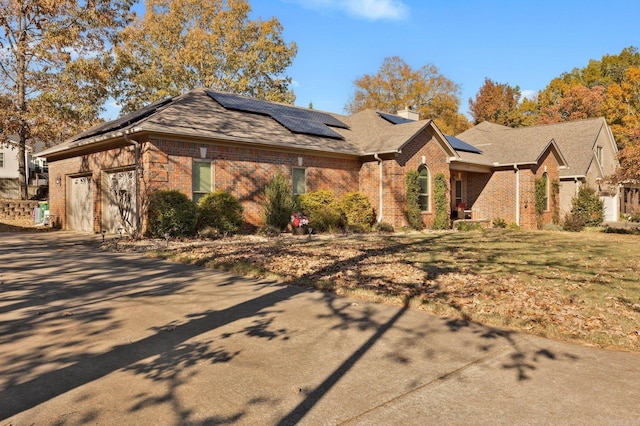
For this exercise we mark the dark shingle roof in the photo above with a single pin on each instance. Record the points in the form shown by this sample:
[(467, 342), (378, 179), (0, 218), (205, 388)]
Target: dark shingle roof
[(504, 145), (197, 114)]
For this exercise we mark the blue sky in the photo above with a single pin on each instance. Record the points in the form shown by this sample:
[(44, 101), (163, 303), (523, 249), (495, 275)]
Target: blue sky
[(520, 42)]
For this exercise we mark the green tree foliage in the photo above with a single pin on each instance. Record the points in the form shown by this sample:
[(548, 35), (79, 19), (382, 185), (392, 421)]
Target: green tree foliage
[(441, 220), (357, 209), (278, 204), (497, 103), (588, 206), (220, 212), (183, 44), (52, 78), (414, 217), (172, 213), (397, 85), (322, 208)]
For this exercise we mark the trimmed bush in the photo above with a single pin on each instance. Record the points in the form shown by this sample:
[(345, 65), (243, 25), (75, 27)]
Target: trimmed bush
[(357, 210), (414, 217), (221, 212), (278, 202), (468, 226), (322, 209), (171, 212)]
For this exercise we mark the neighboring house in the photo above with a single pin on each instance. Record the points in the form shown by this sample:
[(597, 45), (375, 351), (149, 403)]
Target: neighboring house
[(205, 140), (9, 186), (587, 145)]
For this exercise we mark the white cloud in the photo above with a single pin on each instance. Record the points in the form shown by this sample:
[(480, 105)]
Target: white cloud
[(529, 94), (373, 10)]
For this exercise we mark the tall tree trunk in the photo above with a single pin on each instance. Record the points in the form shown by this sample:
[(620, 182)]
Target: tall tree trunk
[(23, 168)]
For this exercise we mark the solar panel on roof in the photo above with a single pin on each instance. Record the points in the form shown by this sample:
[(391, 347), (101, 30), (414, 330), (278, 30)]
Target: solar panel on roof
[(125, 120), (298, 125), (394, 119), (297, 120), (460, 145)]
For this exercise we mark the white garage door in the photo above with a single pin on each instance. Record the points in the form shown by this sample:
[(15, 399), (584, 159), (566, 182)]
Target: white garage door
[(119, 202), (80, 204)]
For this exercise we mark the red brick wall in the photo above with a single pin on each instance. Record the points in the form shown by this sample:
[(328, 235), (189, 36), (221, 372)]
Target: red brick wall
[(493, 195), (394, 178), (244, 172)]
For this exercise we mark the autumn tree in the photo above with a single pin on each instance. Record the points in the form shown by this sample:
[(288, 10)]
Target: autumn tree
[(576, 103), (397, 86), (497, 103), (183, 44), (52, 80), (603, 88)]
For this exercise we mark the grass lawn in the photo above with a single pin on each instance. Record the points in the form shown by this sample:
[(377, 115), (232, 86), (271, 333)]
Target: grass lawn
[(582, 287)]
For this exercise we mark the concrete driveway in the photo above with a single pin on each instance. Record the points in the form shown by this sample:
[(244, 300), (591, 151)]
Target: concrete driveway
[(89, 337)]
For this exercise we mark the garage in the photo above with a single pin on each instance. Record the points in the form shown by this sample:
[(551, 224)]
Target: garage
[(80, 204), (119, 202)]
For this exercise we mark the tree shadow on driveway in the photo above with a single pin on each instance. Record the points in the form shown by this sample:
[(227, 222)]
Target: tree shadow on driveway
[(86, 286)]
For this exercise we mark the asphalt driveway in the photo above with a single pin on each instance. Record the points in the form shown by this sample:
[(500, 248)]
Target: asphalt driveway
[(106, 338)]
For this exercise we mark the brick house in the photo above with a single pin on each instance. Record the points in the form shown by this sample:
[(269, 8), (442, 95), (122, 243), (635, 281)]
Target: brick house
[(205, 140), (587, 145)]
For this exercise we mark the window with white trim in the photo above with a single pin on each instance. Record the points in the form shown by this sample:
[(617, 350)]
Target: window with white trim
[(202, 179), (425, 188)]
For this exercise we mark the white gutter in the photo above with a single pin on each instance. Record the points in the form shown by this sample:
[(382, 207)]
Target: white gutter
[(515, 167), (380, 204)]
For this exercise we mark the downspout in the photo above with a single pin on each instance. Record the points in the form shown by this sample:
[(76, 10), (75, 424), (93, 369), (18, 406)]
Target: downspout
[(381, 204), (136, 159), (515, 167)]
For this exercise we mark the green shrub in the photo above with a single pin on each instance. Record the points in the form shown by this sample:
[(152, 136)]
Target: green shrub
[(220, 211), (441, 220), (384, 227), (555, 192), (588, 205), (574, 222), (357, 228), (171, 212), (278, 204), (468, 226), (322, 209), (541, 200), (357, 209), (499, 222), (414, 216)]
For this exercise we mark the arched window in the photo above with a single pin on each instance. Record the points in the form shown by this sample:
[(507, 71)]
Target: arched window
[(425, 188), (545, 180)]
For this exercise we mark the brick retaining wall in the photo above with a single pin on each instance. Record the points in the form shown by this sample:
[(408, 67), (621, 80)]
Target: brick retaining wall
[(16, 209)]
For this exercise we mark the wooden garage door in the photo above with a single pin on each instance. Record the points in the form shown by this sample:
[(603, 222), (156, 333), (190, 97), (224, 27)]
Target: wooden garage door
[(119, 202), (80, 204)]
